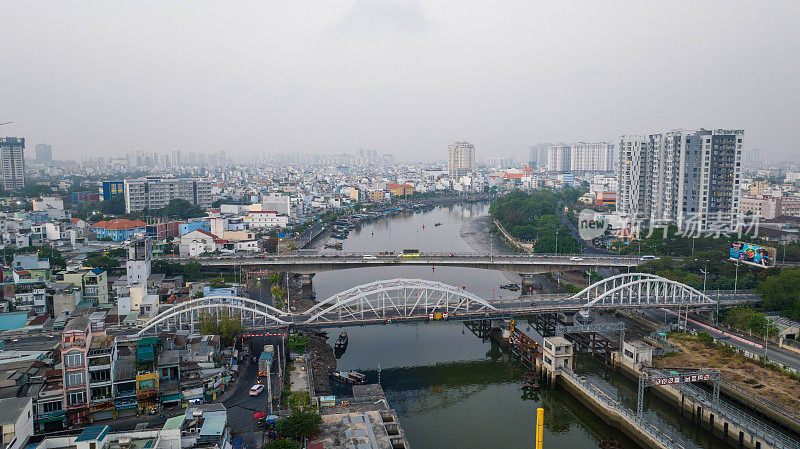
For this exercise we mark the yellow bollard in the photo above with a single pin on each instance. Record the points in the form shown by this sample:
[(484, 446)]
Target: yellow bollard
[(539, 427)]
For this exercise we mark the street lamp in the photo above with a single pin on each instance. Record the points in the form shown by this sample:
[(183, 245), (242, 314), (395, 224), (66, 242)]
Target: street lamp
[(766, 337), (556, 241), (736, 277)]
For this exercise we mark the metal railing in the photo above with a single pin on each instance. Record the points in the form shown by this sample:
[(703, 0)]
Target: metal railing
[(762, 400), (756, 427), (656, 430)]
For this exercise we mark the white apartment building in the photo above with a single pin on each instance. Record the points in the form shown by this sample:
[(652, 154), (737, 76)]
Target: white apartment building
[(769, 207), (559, 157), (259, 219), (156, 192), (581, 157), (691, 178), (460, 159)]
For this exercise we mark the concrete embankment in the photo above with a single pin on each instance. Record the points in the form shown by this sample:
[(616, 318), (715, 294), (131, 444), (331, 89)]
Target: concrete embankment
[(615, 415), (735, 427)]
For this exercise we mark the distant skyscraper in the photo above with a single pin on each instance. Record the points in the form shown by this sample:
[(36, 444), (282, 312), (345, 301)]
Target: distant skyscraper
[(537, 156), (559, 157), (687, 177), (44, 153), (12, 163), (460, 159)]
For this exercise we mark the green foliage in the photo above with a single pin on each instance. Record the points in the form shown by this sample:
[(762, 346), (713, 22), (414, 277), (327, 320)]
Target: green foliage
[(226, 325), (704, 337), (781, 292), (534, 217), (300, 424), (746, 318), (283, 443), (190, 270), (218, 282), (101, 261), (297, 343), (57, 261), (278, 296), (299, 401), (89, 211), (179, 209)]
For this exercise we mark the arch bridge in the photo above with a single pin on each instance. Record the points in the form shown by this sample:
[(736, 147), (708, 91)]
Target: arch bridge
[(404, 300)]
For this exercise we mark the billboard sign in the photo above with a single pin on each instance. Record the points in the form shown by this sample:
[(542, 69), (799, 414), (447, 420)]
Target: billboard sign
[(671, 380), (751, 254)]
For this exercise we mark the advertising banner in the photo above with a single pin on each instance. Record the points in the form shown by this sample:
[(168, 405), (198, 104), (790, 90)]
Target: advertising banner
[(751, 254)]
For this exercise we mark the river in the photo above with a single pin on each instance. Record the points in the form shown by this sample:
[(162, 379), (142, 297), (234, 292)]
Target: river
[(450, 388)]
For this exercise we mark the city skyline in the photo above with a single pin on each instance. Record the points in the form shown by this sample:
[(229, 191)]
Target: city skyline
[(388, 82)]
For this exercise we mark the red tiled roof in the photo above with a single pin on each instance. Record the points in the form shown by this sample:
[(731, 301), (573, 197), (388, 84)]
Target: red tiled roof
[(119, 223), (204, 232), (39, 320)]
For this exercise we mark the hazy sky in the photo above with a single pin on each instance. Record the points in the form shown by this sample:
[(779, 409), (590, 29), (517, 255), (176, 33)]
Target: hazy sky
[(404, 76)]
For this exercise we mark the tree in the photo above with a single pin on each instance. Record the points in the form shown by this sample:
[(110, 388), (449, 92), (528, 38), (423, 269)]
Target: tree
[(57, 261), (180, 209), (781, 292), (300, 424), (297, 343), (226, 325), (101, 261), (283, 443)]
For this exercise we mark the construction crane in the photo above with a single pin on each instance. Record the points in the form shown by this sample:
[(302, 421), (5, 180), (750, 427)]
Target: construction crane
[(5, 123)]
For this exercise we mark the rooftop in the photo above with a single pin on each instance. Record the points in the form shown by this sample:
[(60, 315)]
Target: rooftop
[(11, 408), (93, 433), (119, 224)]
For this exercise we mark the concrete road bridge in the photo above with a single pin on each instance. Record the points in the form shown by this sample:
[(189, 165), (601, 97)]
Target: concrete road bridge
[(309, 264), (409, 300)]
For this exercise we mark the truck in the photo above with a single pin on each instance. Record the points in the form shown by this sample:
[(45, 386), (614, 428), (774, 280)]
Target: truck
[(265, 361)]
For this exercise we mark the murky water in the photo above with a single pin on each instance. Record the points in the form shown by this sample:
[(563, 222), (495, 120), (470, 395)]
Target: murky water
[(450, 388)]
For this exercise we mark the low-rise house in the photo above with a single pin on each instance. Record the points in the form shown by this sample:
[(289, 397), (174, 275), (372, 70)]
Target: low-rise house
[(16, 419), (119, 229)]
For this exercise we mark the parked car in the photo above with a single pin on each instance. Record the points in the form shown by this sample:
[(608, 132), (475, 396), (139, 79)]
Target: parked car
[(256, 389), (576, 259)]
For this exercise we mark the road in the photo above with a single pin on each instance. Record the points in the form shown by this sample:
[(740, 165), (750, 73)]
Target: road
[(774, 353), (316, 263), (241, 406)]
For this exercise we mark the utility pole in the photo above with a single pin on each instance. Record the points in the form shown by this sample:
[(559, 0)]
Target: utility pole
[(736, 277)]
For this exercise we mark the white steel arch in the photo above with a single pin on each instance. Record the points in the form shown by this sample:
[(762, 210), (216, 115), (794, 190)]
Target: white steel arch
[(396, 298), (186, 314), (640, 289)]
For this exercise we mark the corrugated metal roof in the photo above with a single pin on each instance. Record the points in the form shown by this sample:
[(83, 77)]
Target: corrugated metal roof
[(213, 424), (93, 433), (174, 423), (11, 408)]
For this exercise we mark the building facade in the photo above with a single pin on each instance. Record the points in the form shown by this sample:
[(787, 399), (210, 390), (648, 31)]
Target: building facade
[(691, 178), (75, 342), (769, 207), (112, 189), (460, 159), (156, 192), (581, 157), (12, 163), (44, 153)]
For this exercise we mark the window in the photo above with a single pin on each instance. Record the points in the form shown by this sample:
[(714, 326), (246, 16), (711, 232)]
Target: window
[(76, 398), (48, 407), (74, 359), (76, 379)]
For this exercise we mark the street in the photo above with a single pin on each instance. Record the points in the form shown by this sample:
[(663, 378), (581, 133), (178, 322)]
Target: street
[(241, 406), (774, 353)]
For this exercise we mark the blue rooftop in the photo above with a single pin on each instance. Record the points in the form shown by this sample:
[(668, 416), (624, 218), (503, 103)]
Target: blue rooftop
[(96, 270), (93, 433)]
